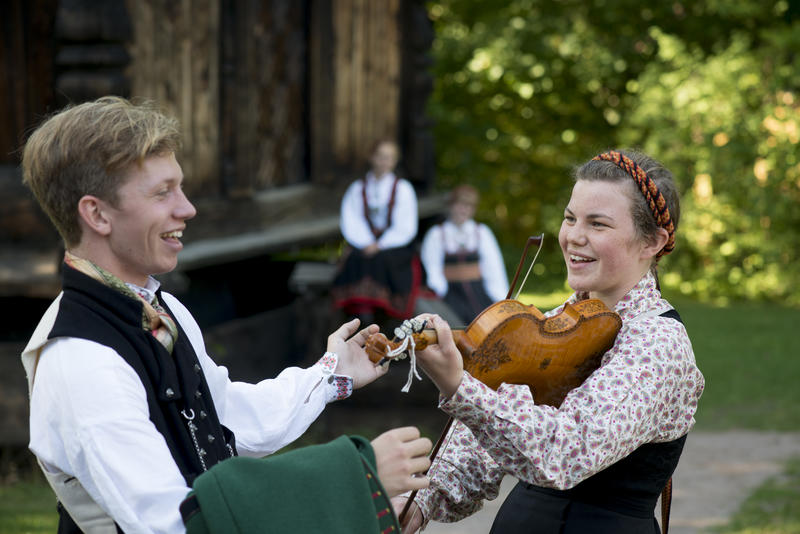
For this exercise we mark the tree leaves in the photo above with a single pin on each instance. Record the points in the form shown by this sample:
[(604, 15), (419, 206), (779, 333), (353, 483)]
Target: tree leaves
[(528, 89)]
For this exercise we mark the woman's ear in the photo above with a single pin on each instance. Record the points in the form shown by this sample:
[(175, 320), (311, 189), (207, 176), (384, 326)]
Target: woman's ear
[(91, 211), (655, 243)]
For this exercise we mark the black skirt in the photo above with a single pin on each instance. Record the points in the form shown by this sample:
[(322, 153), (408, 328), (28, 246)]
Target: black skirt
[(534, 510), (389, 280)]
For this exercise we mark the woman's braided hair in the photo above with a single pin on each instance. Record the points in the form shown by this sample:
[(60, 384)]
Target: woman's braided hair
[(658, 205)]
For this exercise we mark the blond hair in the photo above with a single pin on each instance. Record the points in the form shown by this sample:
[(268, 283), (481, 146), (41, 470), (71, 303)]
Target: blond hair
[(87, 149)]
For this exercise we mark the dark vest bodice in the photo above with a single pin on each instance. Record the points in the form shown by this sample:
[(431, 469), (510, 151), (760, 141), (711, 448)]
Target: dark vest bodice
[(620, 499), (177, 392)]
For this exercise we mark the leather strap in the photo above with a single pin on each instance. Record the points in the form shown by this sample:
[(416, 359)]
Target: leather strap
[(666, 505)]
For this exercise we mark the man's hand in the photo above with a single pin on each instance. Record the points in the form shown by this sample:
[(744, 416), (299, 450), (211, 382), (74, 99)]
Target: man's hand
[(402, 457), (353, 360), (442, 361)]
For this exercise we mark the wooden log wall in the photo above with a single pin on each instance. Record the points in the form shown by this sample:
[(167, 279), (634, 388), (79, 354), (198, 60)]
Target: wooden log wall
[(27, 48), (356, 48), (263, 95), (175, 61)]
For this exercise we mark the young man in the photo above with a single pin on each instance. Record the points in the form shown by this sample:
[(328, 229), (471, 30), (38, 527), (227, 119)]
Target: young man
[(127, 408)]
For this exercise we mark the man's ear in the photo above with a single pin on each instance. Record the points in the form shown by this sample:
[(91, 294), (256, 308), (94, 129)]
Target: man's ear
[(92, 212), (656, 243)]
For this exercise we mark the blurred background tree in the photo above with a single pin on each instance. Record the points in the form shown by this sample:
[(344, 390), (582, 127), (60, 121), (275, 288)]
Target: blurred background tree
[(527, 89)]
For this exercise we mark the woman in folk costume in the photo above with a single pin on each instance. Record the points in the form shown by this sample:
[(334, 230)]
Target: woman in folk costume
[(462, 260), (378, 219), (599, 461)]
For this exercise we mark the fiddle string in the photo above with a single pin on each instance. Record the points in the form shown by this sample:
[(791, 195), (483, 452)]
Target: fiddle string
[(519, 289)]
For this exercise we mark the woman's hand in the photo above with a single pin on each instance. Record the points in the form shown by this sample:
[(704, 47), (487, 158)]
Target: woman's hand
[(442, 361), (352, 359), (413, 518), (401, 456)]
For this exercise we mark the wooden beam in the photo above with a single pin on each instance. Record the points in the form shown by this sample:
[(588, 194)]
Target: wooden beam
[(281, 237)]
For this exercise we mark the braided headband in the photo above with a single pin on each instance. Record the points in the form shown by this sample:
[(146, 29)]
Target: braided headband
[(654, 198)]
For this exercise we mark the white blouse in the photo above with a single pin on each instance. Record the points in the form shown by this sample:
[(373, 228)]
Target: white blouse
[(447, 238), (354, 225)]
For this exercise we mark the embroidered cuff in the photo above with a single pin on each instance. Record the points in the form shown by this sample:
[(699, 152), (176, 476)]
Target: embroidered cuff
[(337, 387)]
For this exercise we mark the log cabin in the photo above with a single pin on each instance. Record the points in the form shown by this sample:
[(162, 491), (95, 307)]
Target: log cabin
[(279, 102)]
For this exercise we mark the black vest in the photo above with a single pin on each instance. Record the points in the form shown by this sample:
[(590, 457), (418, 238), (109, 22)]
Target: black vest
[(618, 500), (176, 388)]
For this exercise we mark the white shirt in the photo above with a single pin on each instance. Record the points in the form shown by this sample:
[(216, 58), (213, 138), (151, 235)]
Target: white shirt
[(89, 419), (447, 238), (354, 225)]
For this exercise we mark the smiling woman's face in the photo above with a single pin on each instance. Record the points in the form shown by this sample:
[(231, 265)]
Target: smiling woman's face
[(603, 253)]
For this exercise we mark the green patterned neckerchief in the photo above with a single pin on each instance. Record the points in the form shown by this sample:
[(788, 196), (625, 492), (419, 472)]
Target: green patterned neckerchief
[(155, 319)]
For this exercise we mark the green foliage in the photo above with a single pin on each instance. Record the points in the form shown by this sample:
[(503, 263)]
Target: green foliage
[(527, 89)]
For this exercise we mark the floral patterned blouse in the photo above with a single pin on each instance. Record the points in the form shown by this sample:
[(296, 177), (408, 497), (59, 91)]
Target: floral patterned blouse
[(645, 390)]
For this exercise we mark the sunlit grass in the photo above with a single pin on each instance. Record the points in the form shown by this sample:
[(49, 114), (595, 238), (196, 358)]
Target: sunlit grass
[(773, 509), (27, 508), (746, 353)]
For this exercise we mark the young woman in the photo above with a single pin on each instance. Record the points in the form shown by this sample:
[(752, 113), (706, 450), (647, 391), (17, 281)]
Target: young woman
[(598, 462), (381, 272), (462, 260)]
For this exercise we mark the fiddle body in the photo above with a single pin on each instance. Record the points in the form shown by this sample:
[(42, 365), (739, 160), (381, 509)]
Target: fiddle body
[(510, 342)]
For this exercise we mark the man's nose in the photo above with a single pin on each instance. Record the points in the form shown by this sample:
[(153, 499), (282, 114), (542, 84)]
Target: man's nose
[(185, 209)]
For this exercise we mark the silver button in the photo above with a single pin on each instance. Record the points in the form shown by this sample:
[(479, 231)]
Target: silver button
[(210, 438), (197, 394), (202, 414), (169, 393), (197, 368)]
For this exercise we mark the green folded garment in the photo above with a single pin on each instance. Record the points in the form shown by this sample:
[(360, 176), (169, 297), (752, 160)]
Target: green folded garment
[(328, 488)]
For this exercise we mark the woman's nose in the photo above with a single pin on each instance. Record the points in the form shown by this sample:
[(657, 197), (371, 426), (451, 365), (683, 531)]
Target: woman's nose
[(575, 233)]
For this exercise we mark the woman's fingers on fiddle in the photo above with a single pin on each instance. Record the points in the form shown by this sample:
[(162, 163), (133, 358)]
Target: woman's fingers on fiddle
[(443, 331)]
